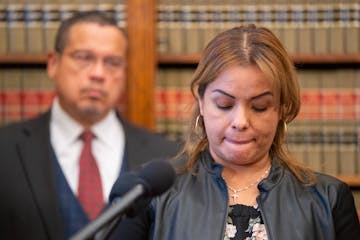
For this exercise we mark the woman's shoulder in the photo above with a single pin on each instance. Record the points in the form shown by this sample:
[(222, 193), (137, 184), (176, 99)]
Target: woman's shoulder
[(324, 183), (331, 186), (327, 180)]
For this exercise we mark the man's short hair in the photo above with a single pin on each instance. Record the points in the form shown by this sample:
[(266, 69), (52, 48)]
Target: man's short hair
[(81, 17)]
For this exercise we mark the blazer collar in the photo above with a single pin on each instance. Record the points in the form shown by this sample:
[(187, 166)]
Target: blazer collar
[(275, 175), (35, 154)]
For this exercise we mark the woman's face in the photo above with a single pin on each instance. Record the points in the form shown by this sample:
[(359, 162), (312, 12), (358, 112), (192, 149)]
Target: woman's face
[(240, 116)]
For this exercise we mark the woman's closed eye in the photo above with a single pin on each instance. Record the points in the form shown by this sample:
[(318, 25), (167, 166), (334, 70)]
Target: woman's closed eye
[(224, 104), (259, 108)]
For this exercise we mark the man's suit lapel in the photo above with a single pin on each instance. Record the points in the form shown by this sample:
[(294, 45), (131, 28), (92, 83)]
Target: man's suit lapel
[(34, 149), (134, 145)]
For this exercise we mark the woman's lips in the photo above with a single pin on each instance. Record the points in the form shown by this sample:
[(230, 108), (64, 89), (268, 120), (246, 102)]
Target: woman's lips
[(238, 141)]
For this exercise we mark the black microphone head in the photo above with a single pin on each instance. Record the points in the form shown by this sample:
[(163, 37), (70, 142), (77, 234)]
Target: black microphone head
[(124, 183), (155, 176), (158, 176)]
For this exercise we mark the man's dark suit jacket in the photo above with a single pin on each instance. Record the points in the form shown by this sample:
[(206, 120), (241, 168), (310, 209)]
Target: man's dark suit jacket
[(29, 206)]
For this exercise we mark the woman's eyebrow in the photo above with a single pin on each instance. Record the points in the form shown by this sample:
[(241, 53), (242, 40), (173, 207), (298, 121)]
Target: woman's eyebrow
[(267, 93), (225, 93), (252, 98)]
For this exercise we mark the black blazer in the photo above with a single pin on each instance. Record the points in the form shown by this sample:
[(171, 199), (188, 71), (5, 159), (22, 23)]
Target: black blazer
[(29, 206)]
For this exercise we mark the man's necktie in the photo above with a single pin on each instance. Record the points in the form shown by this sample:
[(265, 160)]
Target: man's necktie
[(90, 192)]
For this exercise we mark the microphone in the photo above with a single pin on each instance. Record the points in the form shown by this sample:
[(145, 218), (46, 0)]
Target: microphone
[(156, 177), (130, 193), (124, 184)]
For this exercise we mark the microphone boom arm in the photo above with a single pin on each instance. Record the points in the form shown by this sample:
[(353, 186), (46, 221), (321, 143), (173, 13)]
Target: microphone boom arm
[(112, 212)]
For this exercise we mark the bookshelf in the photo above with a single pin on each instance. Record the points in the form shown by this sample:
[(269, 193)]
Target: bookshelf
[(298, 59), (192, 59), (140, 26), (144, 60)]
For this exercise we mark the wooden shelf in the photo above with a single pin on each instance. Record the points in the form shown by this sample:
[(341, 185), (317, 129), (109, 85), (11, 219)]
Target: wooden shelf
[(352, 181), (327, 59), (298, 59), (178, 58), (40, 58)]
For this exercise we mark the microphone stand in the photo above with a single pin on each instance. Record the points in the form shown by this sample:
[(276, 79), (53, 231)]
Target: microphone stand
[(105, 233), (116, 210)]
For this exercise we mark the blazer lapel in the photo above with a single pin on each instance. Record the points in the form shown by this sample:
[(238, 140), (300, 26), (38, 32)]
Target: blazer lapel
[(34, 150), (134, 142)]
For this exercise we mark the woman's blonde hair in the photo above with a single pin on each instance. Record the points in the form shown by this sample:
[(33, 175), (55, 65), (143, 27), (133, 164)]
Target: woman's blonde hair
[(243, 46)]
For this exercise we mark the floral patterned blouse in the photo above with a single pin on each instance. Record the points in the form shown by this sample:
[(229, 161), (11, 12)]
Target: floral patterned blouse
[(244, 223)]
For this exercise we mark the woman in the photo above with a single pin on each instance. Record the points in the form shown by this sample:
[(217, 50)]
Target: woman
[(239, 182)]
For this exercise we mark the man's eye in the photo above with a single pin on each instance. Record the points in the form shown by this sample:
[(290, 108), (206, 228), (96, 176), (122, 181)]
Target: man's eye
[(85, 57), (114, 62)]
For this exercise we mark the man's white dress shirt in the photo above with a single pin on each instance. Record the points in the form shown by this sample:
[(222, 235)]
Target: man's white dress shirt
[(108, 146)]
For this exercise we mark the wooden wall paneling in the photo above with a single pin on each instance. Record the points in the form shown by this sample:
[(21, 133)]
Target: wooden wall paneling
[(142, 61)]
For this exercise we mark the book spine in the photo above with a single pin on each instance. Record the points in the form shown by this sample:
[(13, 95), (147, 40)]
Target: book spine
[(336, 29), (176, 42), (330, 149), (351, 17), (190, 20), (268, 18), (47, 91), (313, 147), (207, 29), (34, 29), (357, 114), (65, 11), (173, 83), (186, 101), (3, 29), (30, 96), (347, 124), (51, 22), (160, 102), (295, 141), (12, 95), (288, 30), (107, 8), (120, 15), (162, 29), (304, 32), (321, 27), (16, 28)]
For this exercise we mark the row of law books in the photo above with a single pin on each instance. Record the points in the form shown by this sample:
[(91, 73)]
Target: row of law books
[(305, 27), (184, 26), (326, 146), (30, 26), (330, 94), (173, 101), (24, 93), (324, 136), (27, 92), (326, 95)]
